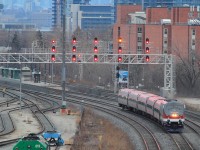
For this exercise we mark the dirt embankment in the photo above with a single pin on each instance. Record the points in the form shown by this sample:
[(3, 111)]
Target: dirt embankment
[(97, 133)]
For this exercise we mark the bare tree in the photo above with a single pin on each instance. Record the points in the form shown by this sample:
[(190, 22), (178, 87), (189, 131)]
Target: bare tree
[(187, 71), (15, 43), (39, 38)]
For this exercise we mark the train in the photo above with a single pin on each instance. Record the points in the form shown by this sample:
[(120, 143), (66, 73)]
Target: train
[(31, 142), (168, 112)]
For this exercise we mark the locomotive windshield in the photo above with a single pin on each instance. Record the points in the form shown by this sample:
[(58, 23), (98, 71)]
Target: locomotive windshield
[(174, 106)]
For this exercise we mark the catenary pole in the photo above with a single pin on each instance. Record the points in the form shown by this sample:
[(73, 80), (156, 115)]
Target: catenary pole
[(63, 53)]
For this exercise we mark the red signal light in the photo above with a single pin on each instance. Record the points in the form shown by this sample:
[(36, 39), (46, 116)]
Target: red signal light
[(147, 49), (95, 58), (95, 49), (147, 40), (53, 57), (119, 59), (74, 40), (95, 40), (53, 49), (147, 58), (120, 50), (53, 41), (74, 49), (73, 58)]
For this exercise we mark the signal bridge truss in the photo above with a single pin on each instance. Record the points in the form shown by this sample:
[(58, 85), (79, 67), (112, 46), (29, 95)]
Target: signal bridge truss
[(82, 58)]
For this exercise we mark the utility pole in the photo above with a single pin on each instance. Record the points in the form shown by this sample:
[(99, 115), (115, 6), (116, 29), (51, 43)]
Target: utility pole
[(129, 51), (63, 53), (20, 87), (52, 74)]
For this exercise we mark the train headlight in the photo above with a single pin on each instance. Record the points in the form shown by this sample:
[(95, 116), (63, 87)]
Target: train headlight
[(174, 115)]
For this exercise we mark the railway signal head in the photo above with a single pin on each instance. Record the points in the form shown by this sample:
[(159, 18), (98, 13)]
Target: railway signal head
[(53, 58), (147, 59), (73, 58), (119, 59), (95, 49), (95, 41), (53, 49), (74, 40), (53, 41), (74, 49), (119, 50), (147, 40), (119, 40), (147, 49), (95, 58)]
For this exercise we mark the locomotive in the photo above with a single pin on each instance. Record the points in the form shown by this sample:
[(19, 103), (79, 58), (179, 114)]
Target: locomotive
[(169, 112), (31, 142)]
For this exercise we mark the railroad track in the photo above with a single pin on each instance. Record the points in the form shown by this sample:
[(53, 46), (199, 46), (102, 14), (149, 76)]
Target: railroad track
[(7, 123), (148, 138), (181, 142), (104, 101), (46, 124)]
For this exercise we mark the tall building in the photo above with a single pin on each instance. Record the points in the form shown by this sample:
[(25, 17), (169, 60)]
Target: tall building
[(171, 31), (28, 6), (57, 8), (57, 11), (92, 16)]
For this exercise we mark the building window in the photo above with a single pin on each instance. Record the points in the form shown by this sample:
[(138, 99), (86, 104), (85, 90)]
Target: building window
[(139, 30), (165, 51), (139, 57), (165, 42), (139, 48), (139, 39), (193, 31), (165, 31), (193, 42), (118, 31)]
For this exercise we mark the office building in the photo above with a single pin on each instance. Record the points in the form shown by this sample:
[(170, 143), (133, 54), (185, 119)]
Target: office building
[(92, 16)]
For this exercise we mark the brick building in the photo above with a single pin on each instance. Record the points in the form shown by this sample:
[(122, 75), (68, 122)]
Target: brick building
[(173, 30)]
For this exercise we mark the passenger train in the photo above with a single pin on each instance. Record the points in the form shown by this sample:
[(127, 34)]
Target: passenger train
[(169, 112)]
